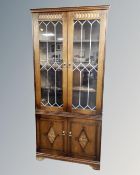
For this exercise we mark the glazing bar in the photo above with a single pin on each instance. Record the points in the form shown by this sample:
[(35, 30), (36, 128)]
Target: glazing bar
[(80, 62), (55, 58), (80, 90), (89, 62), (81, 41), (55, 86), (55, 40), (48, 88), (90, 42)]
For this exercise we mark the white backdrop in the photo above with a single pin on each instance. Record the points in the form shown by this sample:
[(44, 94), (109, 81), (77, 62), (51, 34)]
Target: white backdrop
[(121, 114)]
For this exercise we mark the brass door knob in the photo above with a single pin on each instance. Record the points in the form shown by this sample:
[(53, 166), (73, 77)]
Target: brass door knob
[(63, 133), (64, 64), (69, 64), (70, 134)]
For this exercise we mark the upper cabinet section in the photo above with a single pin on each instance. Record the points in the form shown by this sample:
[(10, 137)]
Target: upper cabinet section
[(69, 58)]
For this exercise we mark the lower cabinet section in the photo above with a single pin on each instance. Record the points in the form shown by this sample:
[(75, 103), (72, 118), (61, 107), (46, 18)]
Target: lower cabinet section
[(69, 138)]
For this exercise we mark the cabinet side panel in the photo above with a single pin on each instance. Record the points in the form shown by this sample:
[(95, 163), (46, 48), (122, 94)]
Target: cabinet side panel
[(36, 60), (37, 134), (98, 138)]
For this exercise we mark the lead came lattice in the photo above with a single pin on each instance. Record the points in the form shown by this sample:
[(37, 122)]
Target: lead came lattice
[(88, 67), (51, 64)]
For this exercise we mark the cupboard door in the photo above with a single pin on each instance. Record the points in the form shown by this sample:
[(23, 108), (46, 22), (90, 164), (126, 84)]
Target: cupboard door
[(51, 135), (84, 138), (85, 59), (50, 53)]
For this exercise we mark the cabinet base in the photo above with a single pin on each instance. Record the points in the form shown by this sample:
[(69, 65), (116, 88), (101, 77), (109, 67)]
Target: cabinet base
[(94, 164)]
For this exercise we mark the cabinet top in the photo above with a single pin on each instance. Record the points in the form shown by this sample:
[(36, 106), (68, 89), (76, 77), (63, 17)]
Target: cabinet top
[(68, 9)]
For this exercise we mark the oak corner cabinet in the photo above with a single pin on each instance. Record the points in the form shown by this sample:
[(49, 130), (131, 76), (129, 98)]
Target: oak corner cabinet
[(69, 51)]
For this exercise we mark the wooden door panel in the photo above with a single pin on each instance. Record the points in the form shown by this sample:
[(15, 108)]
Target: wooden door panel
[(86, 36), (50, 60), (84, 138), (52, 138)]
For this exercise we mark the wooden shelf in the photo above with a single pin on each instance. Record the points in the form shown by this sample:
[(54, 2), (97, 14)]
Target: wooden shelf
[(50, 41), (52, 88), (85, 41), (83, 89), (75, 41)]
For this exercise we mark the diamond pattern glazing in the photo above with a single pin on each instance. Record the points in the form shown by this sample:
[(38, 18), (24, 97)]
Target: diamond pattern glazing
[(85, 63), (51, 41)]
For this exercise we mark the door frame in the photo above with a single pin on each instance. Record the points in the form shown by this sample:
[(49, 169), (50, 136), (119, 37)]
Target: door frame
[(52, 120), (36, 17), (96, 14), (83, 123)]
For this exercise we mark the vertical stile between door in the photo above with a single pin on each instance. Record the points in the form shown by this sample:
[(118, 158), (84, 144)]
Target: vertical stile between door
[(70, 59), (66, 136), (65, 62), (69, 130)]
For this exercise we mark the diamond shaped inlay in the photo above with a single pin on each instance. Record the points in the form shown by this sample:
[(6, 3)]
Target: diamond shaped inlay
[(51, 135), (83, 140)]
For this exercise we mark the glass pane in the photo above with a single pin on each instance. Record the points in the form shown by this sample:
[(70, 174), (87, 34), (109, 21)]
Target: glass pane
[(85, 63), (51, 42)]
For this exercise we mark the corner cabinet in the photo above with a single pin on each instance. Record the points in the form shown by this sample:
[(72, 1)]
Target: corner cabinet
[(69, 49)]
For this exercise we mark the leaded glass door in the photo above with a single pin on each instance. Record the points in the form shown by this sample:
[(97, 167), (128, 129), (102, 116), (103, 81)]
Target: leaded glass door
[(85, 60), (51, 61)]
